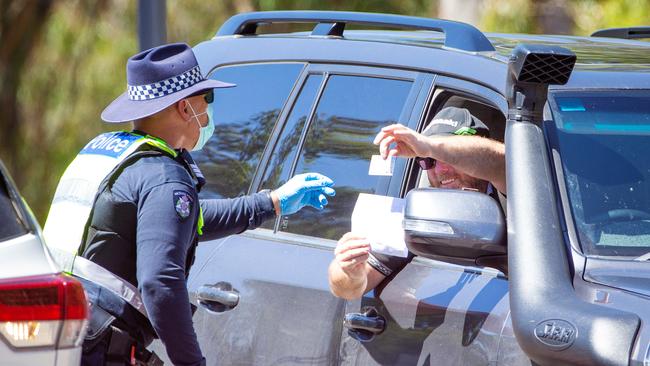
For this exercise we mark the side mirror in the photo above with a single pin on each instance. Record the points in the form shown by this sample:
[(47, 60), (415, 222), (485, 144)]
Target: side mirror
[(456, 226)]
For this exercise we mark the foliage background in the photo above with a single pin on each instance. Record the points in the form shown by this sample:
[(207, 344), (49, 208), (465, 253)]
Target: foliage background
[(62, 62)]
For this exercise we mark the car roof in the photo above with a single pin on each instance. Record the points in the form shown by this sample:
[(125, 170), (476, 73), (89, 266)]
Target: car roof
[(598, 51), (601, 62)]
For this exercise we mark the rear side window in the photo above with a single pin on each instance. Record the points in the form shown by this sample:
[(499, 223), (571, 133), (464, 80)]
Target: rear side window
[(10, 224), (350, 113), (279, 168), (244, 118)]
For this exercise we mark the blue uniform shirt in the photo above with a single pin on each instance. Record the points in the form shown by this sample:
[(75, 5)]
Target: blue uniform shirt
[(167, 205)]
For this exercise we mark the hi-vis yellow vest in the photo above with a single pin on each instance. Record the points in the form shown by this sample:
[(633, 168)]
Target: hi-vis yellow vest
[(75, 194)]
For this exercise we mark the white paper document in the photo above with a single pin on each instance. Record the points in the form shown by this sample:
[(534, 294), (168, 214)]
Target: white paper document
[(379, 166), (379, 218)]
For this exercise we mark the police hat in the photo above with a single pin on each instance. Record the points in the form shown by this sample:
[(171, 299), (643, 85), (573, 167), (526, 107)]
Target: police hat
[(157, 78)]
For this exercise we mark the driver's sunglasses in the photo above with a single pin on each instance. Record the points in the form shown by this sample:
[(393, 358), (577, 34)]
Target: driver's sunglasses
[(209, 96), (426, 163)]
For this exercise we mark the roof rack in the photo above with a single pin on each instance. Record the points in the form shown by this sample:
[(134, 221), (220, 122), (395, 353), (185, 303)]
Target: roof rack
[(458, 35), (625, 33)]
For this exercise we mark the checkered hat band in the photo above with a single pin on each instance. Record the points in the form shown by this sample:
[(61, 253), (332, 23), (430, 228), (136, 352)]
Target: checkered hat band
[(165, 87)]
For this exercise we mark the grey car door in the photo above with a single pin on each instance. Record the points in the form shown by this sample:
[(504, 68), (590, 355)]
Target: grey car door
[(435, 313), (270, 297), (432, 312)]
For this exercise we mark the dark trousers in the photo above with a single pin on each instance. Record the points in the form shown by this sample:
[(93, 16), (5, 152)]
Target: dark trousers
[(96, 354)]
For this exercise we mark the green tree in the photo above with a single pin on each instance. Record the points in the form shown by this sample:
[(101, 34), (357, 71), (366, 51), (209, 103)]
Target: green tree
[(507, 16), (591, 15), (21, 25), (75, 69)]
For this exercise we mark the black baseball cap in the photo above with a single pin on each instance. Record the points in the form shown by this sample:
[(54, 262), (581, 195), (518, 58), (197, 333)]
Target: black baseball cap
[(456, 121)]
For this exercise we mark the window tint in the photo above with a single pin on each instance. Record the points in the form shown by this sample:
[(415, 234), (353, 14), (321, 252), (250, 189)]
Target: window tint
[(244, 117), (10, 224), (339, 144)]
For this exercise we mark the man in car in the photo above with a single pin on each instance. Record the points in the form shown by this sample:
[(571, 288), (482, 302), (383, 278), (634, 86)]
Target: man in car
[(456, 153), (128, 205)]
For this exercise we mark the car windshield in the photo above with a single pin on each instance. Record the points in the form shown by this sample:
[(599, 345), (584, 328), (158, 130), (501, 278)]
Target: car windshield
[(604, 143)]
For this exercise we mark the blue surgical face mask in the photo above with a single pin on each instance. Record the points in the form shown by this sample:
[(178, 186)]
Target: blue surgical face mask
[(204, 132)]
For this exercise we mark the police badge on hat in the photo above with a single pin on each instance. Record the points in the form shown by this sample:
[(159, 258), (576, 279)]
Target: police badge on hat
[(183, 204)]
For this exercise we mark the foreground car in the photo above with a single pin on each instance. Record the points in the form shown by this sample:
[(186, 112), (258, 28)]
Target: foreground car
[(43, 313)]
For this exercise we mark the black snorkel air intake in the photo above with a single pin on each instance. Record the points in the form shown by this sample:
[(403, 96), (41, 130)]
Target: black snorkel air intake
[(531, 69), (552, 325)]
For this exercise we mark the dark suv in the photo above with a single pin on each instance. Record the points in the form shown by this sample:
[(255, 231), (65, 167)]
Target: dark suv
[(568, 282)]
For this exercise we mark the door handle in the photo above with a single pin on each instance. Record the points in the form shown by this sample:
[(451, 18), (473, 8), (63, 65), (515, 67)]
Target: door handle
[(364, 326), (218, 297)]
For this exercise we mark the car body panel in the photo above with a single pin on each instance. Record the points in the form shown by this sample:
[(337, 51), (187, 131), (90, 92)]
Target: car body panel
[(26, 246), (622, 300), (590, 50), (276, 288), (27, 357), (39, 356), (67, 357), (431, 306), (510, 353), (285, 311)]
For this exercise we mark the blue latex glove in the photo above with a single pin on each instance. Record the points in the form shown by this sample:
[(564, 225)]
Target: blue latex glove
[(308, 189)]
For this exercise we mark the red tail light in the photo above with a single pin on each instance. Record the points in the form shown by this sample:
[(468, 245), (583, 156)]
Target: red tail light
[(48, 310)]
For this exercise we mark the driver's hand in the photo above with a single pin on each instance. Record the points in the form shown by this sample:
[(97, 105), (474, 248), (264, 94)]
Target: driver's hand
[(401, 141), (351, 254)]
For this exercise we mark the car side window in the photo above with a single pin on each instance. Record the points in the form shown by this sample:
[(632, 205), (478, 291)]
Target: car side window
[(11, 224), (244, 118), (350, 113), (279, 168)]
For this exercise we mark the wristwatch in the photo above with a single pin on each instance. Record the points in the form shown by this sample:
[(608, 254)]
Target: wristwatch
[(268, 194)]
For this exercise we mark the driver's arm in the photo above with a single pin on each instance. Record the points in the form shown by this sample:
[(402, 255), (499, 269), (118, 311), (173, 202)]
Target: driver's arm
[(348, 287)]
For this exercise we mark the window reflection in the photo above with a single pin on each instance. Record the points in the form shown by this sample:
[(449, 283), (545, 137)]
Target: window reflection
[(244, 118), (350, 113), (279, 168)]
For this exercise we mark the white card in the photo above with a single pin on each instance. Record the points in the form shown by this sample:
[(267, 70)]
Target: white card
[(379, 166), (379, 219)]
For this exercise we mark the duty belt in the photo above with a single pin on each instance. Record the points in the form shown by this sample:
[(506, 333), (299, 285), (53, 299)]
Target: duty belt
[(93, 272)]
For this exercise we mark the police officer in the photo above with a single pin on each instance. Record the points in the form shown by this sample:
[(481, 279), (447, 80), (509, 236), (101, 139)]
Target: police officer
[(128, 207)]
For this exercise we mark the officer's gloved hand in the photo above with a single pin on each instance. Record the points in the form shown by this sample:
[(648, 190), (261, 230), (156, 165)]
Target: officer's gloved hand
[(308, 189)]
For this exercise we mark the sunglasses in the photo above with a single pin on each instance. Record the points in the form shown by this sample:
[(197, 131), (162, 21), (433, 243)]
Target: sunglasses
[(209, 96), (426, 163)]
